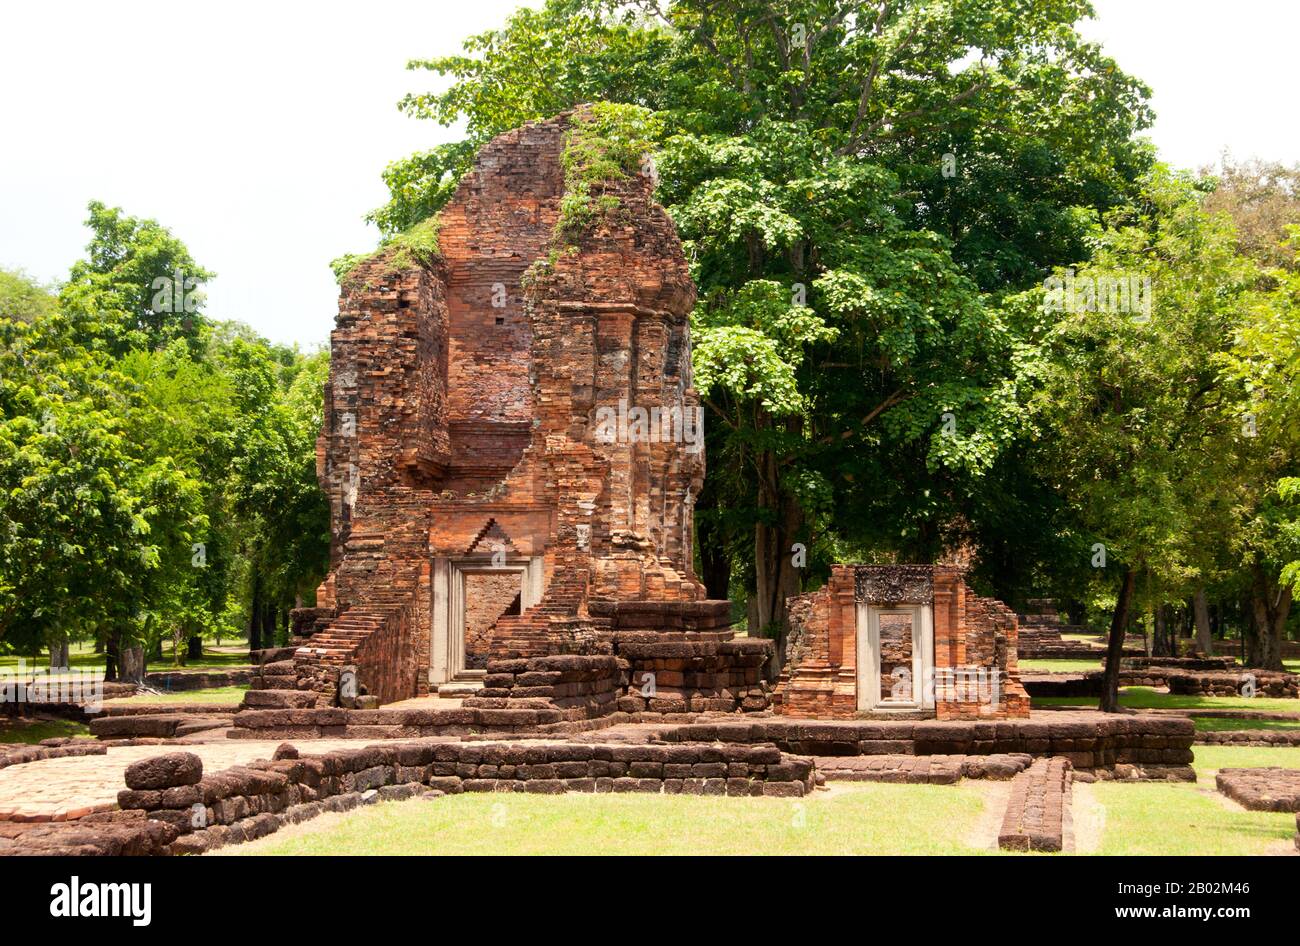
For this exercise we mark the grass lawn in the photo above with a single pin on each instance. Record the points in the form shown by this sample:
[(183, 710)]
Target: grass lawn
[(1210, 758), (1222, 724), (862, 818), (1147, 698), (83, 656), (1186, 819), (230, 695), (18, 729), (1060, 666)]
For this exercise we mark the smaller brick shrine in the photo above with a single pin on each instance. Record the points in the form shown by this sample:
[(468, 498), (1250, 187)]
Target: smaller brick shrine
[(900, 640)]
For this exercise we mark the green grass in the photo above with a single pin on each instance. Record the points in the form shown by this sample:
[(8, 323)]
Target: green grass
[(83, 656), (1185, 819), (865, 818), (31, 731), (1227, 724), (230, 695), (1147, 698), (1060, 666), (1210, 758)]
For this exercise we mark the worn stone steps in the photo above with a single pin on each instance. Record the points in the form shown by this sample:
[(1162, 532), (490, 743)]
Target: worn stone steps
[(279, 699)]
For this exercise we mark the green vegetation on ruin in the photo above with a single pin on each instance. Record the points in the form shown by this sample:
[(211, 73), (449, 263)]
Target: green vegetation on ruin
[(605, 143), (417, 245)]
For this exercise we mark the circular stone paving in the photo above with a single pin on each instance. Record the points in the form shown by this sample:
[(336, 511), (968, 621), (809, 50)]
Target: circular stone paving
[(69, 788)]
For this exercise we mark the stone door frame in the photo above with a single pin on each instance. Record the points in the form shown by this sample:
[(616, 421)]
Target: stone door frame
[(447, 634), (868, 634)]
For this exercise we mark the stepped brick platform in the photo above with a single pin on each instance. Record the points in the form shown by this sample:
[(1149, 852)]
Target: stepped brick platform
[(1103, 746), (1038, 810), (1264, 789)]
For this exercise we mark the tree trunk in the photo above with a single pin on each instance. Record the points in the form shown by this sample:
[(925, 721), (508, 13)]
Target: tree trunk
[(1115, 645), (1201, 612), (59, 653), (195, 647), (1160, 633), (715, 563), (255, 614), (111, 656), (776, 577), (1269, 607)]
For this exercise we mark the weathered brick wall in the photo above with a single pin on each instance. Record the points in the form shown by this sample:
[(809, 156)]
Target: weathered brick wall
[(464, 400), (820, 678)]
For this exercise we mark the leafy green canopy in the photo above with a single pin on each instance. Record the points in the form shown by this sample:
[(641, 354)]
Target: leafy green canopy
[(152, 461), (858, 186)]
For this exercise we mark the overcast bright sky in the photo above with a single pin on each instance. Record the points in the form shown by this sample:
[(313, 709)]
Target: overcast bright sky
[(257, 131)]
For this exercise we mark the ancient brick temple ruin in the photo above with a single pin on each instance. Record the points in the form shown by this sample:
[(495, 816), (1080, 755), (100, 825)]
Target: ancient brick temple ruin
[(901, 639), (511, 447)]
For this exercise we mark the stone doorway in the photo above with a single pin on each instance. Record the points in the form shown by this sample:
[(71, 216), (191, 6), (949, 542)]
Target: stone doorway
[(469, 596), (896, 644)]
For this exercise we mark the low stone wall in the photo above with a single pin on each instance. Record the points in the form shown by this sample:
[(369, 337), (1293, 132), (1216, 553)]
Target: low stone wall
[(1036, 812), (1262, 789), (920, 769), (1120, 746), (245, 802), (160, 723), (104, 834), (1250, 737), (339, 723), (182, 680), (1178, 663), (57, 748), (1270, 683), (1062, 684), (1158, 676)]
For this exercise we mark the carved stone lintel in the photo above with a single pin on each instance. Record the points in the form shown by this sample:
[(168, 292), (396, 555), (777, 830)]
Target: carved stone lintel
[(894, 584)]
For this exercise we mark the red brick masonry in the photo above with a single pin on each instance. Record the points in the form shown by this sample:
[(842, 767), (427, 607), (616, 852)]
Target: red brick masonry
[(971, 635), (463, 421)]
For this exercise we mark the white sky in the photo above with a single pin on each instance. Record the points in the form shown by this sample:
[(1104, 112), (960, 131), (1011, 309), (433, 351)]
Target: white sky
[(257, 131)]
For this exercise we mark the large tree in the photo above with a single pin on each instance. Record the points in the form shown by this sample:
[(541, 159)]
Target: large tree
[(1139, 424), (857, 184)]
